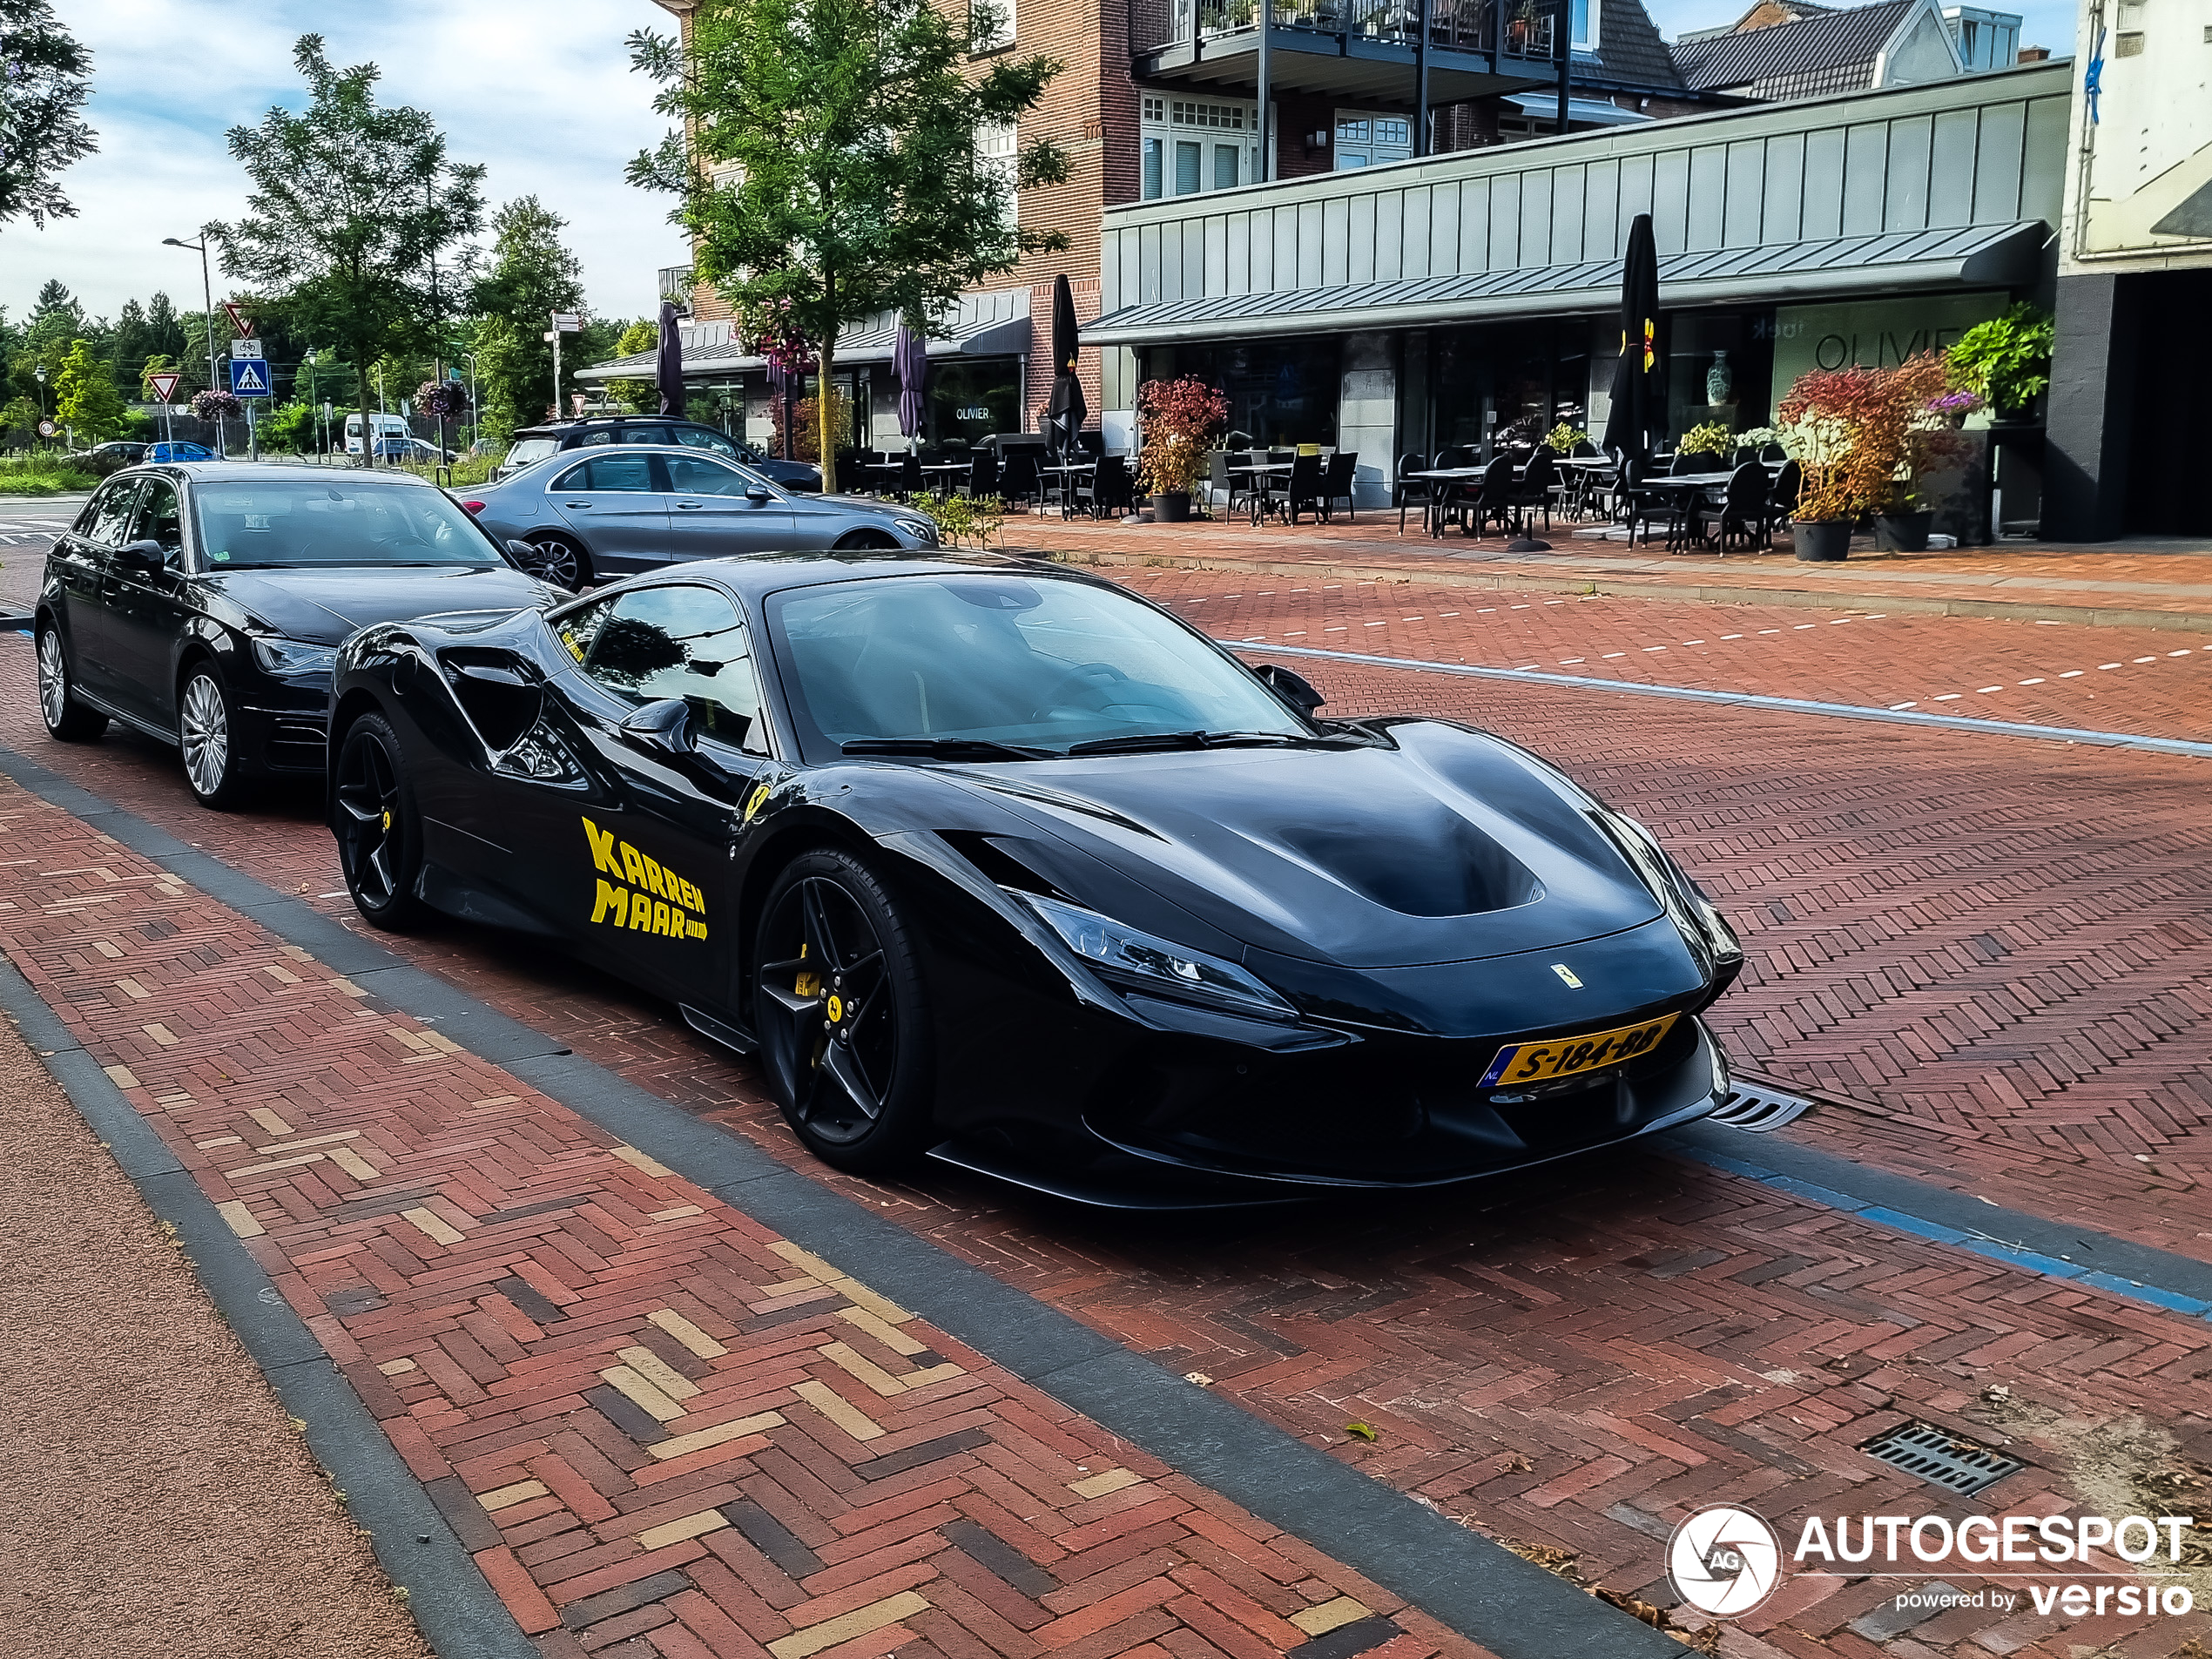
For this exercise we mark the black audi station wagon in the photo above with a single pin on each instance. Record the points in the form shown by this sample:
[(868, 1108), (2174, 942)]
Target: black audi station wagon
[(203, 604)]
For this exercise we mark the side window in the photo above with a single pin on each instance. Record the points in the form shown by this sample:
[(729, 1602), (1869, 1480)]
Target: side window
[(574, 479), (641, 434), (619, 472), (109, 513), (679, 641), (700, 437), (578, 628), (603, 435), (697, 475), (158, 519)]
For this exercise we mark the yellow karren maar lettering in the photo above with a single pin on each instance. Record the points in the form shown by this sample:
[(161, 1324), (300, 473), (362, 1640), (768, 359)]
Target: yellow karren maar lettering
[(644, 896)]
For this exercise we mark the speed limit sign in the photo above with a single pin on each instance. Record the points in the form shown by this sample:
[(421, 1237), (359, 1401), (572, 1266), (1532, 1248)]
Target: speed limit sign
[(47, 429)]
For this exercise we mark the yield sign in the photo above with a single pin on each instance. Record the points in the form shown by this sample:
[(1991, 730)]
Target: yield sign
[(238, 319), (164, 386)]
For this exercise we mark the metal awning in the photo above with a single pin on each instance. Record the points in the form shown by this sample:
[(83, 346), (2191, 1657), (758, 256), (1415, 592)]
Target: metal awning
[(992, 324), (1979, 256), (1590, 111)]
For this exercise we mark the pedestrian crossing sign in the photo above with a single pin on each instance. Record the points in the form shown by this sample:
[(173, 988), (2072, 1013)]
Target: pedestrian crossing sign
[(249, 377)]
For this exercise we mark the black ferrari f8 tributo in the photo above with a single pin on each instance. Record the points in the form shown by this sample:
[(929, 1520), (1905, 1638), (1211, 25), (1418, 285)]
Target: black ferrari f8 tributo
[(1005, 865)]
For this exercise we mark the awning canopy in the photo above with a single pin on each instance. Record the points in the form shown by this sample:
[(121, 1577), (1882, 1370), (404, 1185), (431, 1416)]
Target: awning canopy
[(1589, 111), (994, 324), (1965, 256)]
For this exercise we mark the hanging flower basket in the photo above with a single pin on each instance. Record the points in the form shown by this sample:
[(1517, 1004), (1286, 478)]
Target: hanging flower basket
[(217, 406)]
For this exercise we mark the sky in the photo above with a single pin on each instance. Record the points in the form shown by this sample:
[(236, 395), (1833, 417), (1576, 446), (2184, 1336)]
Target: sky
[(541, 93)]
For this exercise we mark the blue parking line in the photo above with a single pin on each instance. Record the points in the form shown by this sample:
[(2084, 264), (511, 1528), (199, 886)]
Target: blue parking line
[(2010, 1255)]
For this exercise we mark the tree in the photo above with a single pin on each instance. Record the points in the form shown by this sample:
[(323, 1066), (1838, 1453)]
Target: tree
[(834, 159), (85, 400), (639, 397), (164, 332), (351, 202), (530, 274), (45, 79)]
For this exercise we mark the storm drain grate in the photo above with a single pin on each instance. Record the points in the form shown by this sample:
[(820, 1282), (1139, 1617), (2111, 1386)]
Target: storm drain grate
[(1758, 1107), (1941, 1458)]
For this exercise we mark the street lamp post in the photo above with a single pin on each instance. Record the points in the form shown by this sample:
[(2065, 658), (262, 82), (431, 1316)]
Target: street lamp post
[(207, 293)]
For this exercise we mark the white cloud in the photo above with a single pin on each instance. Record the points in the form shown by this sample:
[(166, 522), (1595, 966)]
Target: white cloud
[(542, 94)]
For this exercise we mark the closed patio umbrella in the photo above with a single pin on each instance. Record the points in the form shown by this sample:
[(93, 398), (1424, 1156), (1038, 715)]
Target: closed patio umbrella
[(1639, 408), (668, 362), (910, 359), (1066, 412)]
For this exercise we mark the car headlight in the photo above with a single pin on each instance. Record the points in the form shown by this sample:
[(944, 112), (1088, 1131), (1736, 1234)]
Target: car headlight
[(1684, 901), (295, 659), (1123, 955), (920, 528)]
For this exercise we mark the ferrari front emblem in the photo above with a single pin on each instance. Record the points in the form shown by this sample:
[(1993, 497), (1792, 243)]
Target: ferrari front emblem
[(1568, 975)]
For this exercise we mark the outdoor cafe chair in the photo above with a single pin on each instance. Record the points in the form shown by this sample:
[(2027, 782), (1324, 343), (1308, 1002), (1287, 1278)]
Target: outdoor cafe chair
[(1018, 478), (1695, 461), (1491, 501), (1744, 452), (1642, 503), (1407, 492), (1300, 490), (1337, 483), (1782, 498), (1535, 488), (1744, 507), (983, 474), (1106, 490), (910, 483), (1774, 452), (1221, 483)]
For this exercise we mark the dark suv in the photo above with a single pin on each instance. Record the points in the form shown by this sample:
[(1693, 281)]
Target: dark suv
[(534, 443)]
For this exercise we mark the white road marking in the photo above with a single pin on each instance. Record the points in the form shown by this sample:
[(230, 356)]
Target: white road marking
[(1904, 705)]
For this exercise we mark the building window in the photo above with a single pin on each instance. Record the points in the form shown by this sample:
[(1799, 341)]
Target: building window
[(1191, 145), (1584, 36), (1368, 140), (989, 33), (995, 144)]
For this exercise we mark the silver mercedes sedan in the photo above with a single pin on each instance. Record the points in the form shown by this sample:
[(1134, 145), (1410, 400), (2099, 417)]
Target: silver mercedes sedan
[(593, 515)]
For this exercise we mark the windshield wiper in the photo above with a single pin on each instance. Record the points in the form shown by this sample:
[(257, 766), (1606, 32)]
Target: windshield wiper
[(1139, 742), (946, 749)]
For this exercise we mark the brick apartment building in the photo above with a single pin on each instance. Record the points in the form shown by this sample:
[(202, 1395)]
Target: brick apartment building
[(1159, 99)]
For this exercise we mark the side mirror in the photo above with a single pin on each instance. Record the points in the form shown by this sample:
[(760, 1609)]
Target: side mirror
[(758, 496), (662, 730), (522, 551), (146, 555), (1294, 688)]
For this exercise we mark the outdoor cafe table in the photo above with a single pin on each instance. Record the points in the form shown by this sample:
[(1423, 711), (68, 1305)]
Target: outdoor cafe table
[(1259, 472), (950, 471), (1683, 485), (1069, 471)]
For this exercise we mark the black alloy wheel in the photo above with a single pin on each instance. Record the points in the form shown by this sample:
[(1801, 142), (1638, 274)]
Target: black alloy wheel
[(559, 560), (380, 836), (838, 1002), (67, 719)]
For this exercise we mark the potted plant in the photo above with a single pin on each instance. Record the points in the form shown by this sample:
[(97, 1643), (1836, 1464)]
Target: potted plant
[(1816, 433), (2006, 361), (1180, 418), (1564, 436), (1863, 437), (1707, 438)]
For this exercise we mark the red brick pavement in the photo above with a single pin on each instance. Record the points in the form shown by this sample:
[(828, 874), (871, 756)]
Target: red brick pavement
[(660, 1429), (2106, 679), (1710, 1338), (2172, 579)]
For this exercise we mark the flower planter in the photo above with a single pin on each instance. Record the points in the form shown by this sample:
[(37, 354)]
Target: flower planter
[(1171, 509), (1902, 532), (1826, 542)]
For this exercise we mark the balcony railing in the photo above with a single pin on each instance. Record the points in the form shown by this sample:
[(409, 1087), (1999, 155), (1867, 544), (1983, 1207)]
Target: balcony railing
[(1513, 29), (675, 286)]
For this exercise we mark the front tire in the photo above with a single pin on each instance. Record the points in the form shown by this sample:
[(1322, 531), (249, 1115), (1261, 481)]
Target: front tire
[(207, 736), (380, 832), (67, 719), (843, 1014)]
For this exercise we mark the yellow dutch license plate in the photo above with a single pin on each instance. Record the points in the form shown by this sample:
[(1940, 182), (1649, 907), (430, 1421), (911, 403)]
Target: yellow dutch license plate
[(1535, 1062)]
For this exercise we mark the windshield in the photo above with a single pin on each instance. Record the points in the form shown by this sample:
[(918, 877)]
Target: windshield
[(1035, 664), (296, 522)]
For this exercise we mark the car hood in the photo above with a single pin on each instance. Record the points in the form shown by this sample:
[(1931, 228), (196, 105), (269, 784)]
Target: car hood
[(323, 606), (1448, 846)]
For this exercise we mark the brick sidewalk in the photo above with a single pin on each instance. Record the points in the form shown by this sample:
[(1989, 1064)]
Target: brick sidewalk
[(659, 1428), (1696, 1336), (2127, 585)]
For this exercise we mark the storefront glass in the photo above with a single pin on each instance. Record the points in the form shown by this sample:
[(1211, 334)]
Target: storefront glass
[(1522, 376), (969, 399), (1720, 368), (1282, 391)]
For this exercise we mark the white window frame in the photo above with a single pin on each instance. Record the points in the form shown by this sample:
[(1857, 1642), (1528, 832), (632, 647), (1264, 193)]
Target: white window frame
[(1585, 40), (997, 147), (1165, 120), (1398, 151)]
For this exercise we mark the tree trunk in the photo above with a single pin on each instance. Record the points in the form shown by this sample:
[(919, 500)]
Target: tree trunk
[(824, 412)]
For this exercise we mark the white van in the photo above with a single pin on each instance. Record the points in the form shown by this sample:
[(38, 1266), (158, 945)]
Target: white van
[(386, 426)]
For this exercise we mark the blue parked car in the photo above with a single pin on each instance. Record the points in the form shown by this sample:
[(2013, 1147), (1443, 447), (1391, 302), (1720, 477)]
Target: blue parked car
[(161, 452)]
